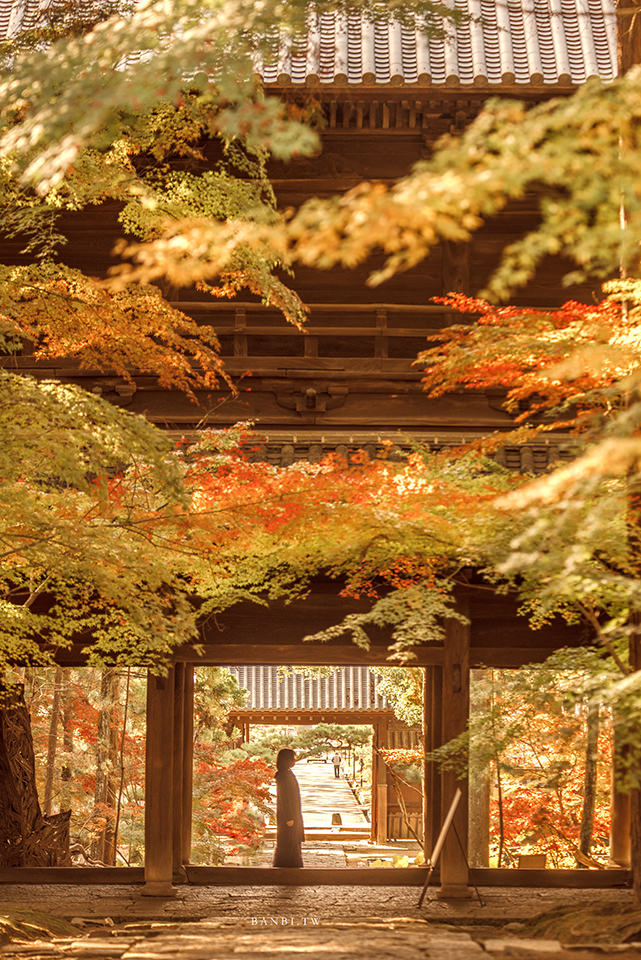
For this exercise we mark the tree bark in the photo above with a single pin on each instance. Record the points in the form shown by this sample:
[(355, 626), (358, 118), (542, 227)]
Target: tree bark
[(103, 847), (589, 780), (52, 741), (27, 838), (66, 771)]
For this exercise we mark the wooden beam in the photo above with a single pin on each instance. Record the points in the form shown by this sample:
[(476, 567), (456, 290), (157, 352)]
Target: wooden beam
[(456, 708), (304, 717), (551, 879), (270, 876), (159, 779), (188, 763), (302, 654)]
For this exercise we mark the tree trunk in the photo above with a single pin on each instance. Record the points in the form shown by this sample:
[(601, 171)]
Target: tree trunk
[(52, 741), (27, 838), (66, 771), (103, 847), (589, 780)]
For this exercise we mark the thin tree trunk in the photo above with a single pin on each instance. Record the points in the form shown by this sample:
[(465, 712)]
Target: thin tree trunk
[(66, 772), (104, 847), (52, 742), (121, 762), (589, 780)]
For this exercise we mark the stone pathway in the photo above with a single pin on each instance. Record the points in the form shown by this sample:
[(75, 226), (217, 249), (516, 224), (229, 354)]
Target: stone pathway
[(282, 936), (322, 795), (274, 923)]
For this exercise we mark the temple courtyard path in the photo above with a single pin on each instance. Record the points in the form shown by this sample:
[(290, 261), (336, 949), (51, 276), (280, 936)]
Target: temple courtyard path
[(323, 795), (270, 923)]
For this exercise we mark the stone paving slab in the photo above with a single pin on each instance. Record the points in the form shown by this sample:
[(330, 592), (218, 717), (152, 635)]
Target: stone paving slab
[(399, 938), (274, 923), (125, 903), (256, 938)]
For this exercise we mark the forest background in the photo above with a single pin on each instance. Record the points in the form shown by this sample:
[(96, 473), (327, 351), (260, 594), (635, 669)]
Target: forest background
[(110, 532)]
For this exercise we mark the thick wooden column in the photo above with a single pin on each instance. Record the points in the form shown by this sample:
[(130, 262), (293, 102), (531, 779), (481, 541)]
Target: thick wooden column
[(178, 750), (456, 706), (188, 762), (433, 739), (159, 780), (620, 841)]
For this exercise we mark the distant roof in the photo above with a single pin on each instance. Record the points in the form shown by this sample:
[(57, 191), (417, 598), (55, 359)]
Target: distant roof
[(347, 688), (504, 42)]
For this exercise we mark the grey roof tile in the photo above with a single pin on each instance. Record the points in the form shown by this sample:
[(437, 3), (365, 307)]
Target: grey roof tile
[(503, 42)]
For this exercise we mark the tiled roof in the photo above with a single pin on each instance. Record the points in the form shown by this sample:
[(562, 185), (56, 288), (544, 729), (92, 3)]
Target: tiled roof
[(502, 42), (347, 688)]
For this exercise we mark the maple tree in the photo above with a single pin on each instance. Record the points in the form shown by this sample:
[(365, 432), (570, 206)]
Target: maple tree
[(231, 786), (566, 540)]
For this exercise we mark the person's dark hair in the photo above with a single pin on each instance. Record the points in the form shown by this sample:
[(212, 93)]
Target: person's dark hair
[(285, 760)]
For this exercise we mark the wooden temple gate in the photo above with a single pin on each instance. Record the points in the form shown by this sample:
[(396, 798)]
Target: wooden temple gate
[(387, 96), (494, 637)]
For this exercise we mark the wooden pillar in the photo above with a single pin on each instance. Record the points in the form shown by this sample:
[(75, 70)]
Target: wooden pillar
[(433, 727), (456, 705), (188, 762), (159, 781), (480, 785), (379, 790), (178, 750), (373, 804), (620, 841)]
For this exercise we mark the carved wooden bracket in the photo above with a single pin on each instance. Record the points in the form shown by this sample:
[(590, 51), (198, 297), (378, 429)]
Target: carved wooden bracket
[(310, 401)]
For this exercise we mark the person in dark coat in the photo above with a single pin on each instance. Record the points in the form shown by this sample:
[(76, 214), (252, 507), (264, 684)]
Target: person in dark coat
[(289, 819)]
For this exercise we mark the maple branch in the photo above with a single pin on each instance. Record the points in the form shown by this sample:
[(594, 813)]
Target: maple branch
[(591, 617)]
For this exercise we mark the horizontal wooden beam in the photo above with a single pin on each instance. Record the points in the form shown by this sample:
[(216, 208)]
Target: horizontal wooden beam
[(297, 715), (312, 876), (301, 654), (228, 306), (79, 875), (571, 879)]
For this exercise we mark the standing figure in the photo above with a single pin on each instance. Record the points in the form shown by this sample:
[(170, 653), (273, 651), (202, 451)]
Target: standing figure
[(337, 764), (289, 819)]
